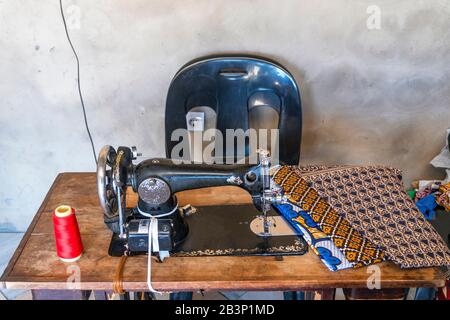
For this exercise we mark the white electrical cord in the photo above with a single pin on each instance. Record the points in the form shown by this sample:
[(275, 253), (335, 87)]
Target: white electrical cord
[(153, 246), (153, 243)]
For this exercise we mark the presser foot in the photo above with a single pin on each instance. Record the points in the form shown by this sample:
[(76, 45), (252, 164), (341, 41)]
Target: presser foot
[(271, 226)]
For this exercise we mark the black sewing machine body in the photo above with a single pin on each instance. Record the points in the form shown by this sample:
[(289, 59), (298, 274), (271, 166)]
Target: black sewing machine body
[(157, 180)]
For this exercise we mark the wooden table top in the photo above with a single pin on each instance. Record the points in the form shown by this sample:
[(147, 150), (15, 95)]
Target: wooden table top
[(35, 264)]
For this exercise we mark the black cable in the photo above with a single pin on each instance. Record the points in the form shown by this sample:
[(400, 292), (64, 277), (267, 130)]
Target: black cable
[(78, 82)]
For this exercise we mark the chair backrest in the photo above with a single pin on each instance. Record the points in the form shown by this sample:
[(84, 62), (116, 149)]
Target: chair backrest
[(236, 92)]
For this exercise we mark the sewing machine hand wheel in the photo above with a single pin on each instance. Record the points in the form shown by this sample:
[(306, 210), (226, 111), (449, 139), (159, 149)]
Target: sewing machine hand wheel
[(105, 185)]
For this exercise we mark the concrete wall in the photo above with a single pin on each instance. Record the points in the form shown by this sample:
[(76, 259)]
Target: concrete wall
[(369, 96)]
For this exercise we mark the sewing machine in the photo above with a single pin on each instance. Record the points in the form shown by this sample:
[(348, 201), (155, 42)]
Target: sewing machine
[(156, 181)]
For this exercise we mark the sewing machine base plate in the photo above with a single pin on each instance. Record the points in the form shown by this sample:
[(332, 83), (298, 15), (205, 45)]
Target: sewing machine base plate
[(225, 230)]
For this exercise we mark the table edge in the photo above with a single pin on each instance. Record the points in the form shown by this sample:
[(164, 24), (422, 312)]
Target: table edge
[(250, 285)]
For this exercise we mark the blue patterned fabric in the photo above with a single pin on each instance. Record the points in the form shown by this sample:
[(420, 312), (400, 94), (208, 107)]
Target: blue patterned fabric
[(319, 242)]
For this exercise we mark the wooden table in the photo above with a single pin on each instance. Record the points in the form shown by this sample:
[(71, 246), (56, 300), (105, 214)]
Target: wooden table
[(35, 265)]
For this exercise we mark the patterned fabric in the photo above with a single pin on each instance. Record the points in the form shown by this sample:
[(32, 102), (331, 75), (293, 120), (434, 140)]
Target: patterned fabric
[(372, 199), (444, 198), (319, 242), (356, 249)]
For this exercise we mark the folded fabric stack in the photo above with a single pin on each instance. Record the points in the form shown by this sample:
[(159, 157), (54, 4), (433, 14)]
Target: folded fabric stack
[(356, 216)]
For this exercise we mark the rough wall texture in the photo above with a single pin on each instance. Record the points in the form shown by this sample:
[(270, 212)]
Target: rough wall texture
[(369, 96)]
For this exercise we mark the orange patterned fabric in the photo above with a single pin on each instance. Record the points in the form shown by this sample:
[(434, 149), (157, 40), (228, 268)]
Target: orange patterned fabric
[(372, 199), (358, 250)]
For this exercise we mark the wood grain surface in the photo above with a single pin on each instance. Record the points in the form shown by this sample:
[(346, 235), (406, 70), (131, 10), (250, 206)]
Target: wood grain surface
[(36, 266)]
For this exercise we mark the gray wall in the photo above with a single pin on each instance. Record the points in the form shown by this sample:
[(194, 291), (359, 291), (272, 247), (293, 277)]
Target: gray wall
[(369, 96)]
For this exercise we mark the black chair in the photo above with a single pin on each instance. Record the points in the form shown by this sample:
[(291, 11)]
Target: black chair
[(236, 92)]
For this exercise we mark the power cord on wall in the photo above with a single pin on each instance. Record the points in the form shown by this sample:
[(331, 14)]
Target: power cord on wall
[(78, 81)]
